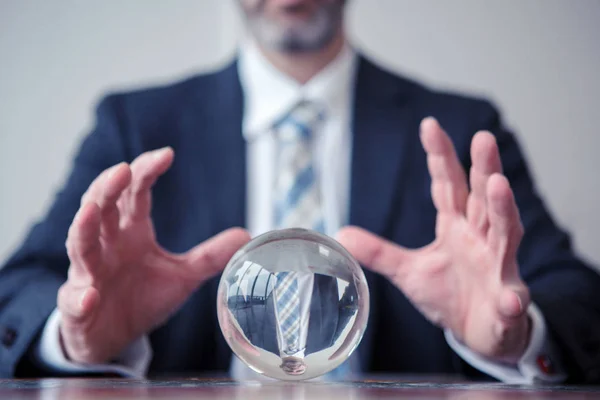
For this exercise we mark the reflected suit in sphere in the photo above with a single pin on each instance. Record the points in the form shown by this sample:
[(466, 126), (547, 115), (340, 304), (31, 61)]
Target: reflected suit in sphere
[(329, 315)]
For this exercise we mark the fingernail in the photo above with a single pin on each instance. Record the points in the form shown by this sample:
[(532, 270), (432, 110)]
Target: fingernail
[(161, 152), (428, 120), (114, 170)]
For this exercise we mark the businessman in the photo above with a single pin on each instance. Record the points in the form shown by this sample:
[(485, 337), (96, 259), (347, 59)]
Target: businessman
[(468, 272)]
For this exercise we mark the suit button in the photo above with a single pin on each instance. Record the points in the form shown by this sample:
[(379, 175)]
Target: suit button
[(8, 337)]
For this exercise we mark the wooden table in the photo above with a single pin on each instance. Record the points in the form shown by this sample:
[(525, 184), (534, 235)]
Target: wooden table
[(198, 389)]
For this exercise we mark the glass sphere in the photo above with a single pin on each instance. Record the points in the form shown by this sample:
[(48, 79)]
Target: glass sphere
[(293, 304)]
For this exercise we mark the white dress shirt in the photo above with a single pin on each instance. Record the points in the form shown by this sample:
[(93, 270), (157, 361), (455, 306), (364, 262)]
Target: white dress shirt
[(268, 95)]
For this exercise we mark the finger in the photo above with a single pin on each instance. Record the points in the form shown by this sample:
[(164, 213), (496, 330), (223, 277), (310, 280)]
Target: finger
[(114, 185), (448, 181), (145, 171), (77, 303), (373, 252), (512, 330), (506, 229), (485, 159), (115, 182), (104, 191), (83, 240), (211, 256), (513, 301), (98, 186)]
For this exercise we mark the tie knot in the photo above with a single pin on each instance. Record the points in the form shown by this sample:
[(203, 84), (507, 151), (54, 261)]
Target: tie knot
[(300, 122)]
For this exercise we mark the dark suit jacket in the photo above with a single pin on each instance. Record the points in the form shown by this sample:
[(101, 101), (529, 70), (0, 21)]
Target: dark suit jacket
[(328, 316), (205, 191)]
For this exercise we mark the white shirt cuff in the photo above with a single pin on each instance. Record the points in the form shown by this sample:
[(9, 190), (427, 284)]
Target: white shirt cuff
[(133, 362), (538, 364)]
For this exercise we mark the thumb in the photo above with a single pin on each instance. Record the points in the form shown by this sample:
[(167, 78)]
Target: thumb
[(513, 301), (212, 255), (372, 251), (77, 303)]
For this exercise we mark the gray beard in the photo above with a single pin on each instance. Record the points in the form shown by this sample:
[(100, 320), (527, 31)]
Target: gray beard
[(314, 35)]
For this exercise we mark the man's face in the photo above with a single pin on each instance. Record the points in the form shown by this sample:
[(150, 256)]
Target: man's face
[(294, 25)]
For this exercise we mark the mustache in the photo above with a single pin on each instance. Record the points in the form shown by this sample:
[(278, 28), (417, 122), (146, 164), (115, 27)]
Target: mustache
[(259, 6)]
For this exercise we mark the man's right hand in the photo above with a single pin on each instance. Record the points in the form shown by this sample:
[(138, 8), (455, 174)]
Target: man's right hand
[(121, 283)]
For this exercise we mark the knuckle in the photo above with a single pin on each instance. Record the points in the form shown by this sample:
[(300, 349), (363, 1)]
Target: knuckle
[(69, 239), (71, 253), (70, 245), (206, 259), (142, 184), (139, 163), (518, 231), (62, 296), (87, 253), (73, 228)]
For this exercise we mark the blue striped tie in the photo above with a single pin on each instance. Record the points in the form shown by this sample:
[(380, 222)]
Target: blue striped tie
[(297, 205), (297, 194), (288, 311)]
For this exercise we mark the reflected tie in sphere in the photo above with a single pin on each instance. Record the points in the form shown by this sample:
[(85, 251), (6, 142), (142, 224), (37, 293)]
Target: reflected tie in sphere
[(288, 310)]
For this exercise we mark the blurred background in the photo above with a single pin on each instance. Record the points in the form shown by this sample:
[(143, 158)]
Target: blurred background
[(538, 60)]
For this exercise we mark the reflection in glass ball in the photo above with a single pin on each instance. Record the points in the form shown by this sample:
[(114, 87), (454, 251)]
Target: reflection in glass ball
[(293, 304)]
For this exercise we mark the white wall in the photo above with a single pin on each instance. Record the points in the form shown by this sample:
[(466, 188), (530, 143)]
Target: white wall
[(538, 59)]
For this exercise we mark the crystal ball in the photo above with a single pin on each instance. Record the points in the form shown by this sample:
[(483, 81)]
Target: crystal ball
[(293, 304)]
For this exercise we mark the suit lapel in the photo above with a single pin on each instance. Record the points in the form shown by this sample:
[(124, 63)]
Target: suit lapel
[(224, 150), (384, 129)]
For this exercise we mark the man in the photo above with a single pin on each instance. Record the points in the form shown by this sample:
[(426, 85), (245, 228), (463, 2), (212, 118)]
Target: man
[(477, 281)]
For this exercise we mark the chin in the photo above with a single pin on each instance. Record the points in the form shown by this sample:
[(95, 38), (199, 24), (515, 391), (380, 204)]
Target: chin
[(297, 33)]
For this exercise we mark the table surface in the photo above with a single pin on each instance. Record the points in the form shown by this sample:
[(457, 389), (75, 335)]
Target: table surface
[(203, 388)]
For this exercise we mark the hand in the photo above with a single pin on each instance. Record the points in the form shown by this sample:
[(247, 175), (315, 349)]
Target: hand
[(121, 283), (467, 280)]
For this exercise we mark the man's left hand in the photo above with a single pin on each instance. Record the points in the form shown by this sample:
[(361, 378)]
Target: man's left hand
[(468, 279)]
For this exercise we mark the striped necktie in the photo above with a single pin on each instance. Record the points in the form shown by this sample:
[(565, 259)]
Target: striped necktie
[(297, 205), (297, 193)]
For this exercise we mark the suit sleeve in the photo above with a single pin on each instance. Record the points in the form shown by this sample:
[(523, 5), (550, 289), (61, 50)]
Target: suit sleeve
[(566, 290), (30, 279)]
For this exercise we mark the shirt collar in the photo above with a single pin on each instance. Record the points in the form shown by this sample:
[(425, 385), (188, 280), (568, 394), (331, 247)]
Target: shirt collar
[(269, 93)]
